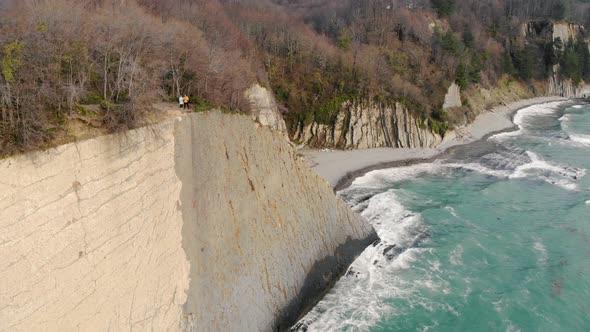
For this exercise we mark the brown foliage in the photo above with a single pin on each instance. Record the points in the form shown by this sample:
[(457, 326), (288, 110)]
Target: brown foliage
[(113, 53)]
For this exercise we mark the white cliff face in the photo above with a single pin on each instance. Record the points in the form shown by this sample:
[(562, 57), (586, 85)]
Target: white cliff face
[(264, 108), (567, 88), (362, 127), (91, 236), (554, 30), (565, 31), (453, 97), (206, 223)]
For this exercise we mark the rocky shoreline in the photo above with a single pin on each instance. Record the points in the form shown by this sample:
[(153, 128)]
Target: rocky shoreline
[(340, 167)]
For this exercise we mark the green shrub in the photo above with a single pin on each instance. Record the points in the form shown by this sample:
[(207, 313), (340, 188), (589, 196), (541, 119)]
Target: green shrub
[(92, 99), (439, 122)]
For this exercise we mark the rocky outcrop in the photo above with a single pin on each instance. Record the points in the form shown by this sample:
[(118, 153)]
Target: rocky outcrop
[(567, 88), (264, 108), (205, 223), (551, 30), (565, 31), (361, 126), (453, 97)]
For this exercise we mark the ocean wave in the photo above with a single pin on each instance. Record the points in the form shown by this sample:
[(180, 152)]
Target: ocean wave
[(579, 138), (479, 168), (358, 300), (522, 116), (515, 165), (535, 110), (561, 176), (383, 178), (573, 136)]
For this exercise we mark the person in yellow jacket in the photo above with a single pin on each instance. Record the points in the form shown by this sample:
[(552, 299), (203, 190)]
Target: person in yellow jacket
[(186, 100)]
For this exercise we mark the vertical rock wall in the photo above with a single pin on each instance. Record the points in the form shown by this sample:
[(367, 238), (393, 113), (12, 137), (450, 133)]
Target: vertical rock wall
[(206, 223), (90, 236), (453, 97), (264, 108), (361, 126), (264, 234), (567, 88)]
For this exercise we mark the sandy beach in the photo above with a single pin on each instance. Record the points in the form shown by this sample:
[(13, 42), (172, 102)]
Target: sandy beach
[(339, 167)]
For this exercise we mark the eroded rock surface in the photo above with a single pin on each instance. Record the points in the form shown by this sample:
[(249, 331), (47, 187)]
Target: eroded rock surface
[(453, 97), (264, 108), (567, 88), (361, 126), (206, 223)]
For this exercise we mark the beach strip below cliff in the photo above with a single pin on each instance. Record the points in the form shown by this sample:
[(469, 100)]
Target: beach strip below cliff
[(341, 167)]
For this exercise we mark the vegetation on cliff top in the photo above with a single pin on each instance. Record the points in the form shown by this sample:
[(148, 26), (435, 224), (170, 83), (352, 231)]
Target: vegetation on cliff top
[(107, 61)]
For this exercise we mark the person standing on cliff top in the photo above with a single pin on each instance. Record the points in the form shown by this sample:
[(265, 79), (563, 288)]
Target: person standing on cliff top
[(186, 100), (181, 101)]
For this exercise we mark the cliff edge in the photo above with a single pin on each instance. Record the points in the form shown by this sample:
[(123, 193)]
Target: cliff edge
[(207, 222)]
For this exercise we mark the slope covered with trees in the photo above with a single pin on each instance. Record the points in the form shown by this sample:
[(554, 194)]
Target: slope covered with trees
[(59, 56)]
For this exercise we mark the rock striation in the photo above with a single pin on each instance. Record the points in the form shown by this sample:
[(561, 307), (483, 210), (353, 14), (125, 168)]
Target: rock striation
[(209, 222), (566, 30), (361, 126), (549, 30), (567, 88)]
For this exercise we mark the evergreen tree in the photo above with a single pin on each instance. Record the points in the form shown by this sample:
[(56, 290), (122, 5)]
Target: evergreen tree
[(507, 64), (468, 38), (444, 8), (461, 77)]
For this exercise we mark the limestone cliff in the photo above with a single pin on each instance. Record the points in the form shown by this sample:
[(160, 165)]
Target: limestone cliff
[(264, 108), (205, 223), (545, 29), (453, 97), (565, 31), (567, 88), (361, 126)]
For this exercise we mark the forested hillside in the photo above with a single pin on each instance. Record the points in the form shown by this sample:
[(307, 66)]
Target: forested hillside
[(105, 62)]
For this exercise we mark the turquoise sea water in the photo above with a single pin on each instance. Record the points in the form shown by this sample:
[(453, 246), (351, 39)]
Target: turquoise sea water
[(494, 238)]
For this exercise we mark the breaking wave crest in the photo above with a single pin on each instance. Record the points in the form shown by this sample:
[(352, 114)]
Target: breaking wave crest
[(358, 299), (574, 136), (562, 176), (523, 116)]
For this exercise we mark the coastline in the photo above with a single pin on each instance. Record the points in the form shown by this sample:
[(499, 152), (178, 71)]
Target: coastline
[(340, 167)]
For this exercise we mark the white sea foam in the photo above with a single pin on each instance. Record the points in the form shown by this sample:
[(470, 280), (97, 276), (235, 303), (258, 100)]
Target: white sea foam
[(357, 301), (381, 178), (521, 117), (573, 136), (542, 256), (579, 138), (578, 106), (510, 327), (543, 109), (456, 256), (562, 176), (452, 211), (480, 169), (554, 174)]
